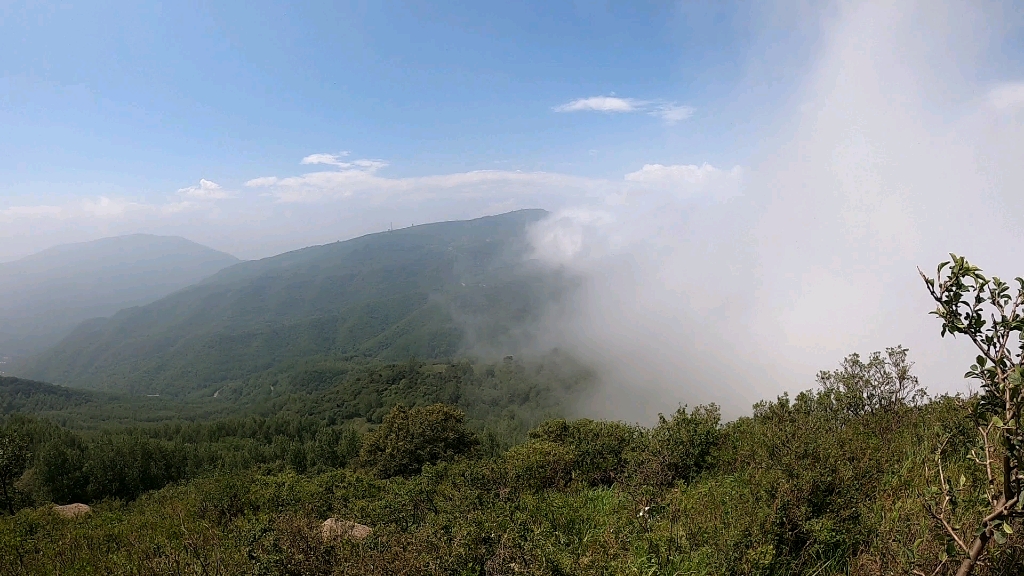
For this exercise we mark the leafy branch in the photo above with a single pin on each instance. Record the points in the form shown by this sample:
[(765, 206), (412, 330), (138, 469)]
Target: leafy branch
[(992, 317)]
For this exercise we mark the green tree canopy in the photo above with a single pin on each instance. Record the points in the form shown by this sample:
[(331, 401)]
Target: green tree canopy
[(408, 439)]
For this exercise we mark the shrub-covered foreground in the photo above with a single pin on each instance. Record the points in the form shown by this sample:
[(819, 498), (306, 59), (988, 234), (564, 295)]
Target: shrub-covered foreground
[(831, 482)]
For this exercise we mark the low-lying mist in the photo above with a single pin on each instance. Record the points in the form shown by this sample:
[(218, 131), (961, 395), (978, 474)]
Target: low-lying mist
[(903, 143)]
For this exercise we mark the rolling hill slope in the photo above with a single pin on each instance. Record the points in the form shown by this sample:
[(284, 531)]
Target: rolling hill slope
[(428, 291), (17, 395), (45, 295)]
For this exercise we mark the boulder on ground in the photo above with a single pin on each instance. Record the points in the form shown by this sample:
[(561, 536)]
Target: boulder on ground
[(334, 528), (72, 510)]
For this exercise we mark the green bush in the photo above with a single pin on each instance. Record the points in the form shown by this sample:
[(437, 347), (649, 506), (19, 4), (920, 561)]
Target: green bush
[(678, 448), (538, 465), (600, 448), (408, 439)]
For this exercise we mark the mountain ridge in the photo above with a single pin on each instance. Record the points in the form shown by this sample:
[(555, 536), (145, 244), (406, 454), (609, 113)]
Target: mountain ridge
[(388, 295), (43, 296)]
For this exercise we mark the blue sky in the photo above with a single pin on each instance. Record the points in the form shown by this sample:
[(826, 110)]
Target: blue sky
[(112, 113), (140, 94), (133, 101)]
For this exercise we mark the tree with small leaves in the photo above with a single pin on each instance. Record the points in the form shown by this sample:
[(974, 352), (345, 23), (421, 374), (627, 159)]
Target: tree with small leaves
[(991, 315), (883, 384), (14, 457), (410, 438)]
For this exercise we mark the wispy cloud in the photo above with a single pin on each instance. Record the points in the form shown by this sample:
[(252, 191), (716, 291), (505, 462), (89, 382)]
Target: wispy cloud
[(361, 182), (366, 184), (689, 180), (95, 208), (325, 205), (41, 211), (1007, 96), (206, 190), (601, 104), (670, 112), (262, 181), (679, 173), (332, 160), (106, 207)]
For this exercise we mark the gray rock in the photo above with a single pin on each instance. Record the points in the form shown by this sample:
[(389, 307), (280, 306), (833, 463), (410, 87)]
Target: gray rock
[(72, 510), (334, 528)]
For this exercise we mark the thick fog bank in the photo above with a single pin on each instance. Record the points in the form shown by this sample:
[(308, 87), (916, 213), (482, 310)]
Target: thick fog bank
[(729, 285)]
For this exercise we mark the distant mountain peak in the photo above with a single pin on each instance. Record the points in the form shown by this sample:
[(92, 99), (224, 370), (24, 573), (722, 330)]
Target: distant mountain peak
[(45, 295), (137, 241)]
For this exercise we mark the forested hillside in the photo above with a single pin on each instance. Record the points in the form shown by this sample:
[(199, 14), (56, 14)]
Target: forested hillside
[(45, 295), (153, 441), (26, 396), (428, 292), (839, 480)]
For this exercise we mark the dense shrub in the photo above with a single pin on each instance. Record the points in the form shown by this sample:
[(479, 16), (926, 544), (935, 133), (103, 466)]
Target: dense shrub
[(600, 449), (408, 439), (678, 448), (538, 465)]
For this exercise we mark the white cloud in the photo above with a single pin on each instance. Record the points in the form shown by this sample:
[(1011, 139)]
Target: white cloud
[(41, 211), (86, 209), (849, 192), (334, 160), (689, 180), (648, 264), (206, 190), (262, 181), (330, 159), (601, 104), (177, 207), (1007, 96), (369, 164), (679, 173), (359, 179), (290, 212), (319, 186), (105, 207), (670, 112), (673, 113)]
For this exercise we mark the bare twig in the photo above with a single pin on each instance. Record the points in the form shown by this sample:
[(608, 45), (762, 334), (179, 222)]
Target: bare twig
[(988, 462), (949, 529)]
